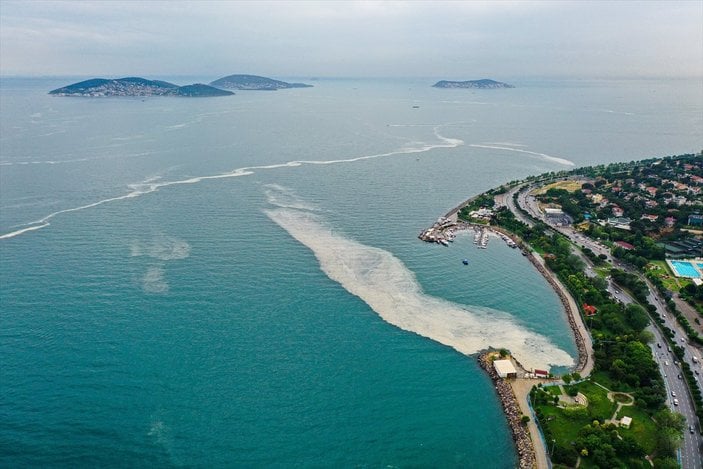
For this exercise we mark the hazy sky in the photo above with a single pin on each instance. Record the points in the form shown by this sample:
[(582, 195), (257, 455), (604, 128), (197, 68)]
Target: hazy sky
[(334, 38)]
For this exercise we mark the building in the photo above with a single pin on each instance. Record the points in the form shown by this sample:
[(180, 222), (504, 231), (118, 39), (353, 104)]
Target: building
[(695, 219), (625, 422), (625, 245), (505, 368), (589, 310), (622, 223), (541, 374)]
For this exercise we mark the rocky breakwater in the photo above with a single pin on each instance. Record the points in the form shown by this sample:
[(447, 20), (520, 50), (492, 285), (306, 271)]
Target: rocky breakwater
[(571, 313), (521, 437)]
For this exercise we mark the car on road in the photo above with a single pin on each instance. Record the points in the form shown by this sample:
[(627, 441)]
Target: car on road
[(690, 429), (676, 402), (659, 345), (673, 394)]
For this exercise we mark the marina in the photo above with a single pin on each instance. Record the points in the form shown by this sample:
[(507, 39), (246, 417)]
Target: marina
[(444, 231)]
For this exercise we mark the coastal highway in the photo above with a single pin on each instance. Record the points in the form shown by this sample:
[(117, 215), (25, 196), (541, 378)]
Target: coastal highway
[(691, 450), (692, 447)]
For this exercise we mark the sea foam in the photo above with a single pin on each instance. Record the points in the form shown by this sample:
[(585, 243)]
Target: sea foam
[(149, 185), (543, 156), (391, 290)]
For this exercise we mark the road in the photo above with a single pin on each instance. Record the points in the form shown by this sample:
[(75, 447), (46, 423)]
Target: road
[(691, 450)]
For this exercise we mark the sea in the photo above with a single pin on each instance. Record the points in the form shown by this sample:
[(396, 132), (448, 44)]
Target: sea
[(237, 281)]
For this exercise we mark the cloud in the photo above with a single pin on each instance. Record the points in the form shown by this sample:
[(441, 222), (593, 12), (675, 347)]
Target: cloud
[(458, 39)]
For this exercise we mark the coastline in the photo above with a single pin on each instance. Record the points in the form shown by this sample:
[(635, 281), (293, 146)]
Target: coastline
[(514, 393), (526, 450)]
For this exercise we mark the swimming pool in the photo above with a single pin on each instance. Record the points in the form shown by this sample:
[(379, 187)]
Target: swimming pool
[(684, 269)]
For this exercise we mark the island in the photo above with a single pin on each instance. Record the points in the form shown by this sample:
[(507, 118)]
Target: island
[(136, 87), (254, 82), (483, 84)]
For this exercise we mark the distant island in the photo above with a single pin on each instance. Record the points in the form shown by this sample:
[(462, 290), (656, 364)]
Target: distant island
[(254, 82), (135, 86), (480, 84)]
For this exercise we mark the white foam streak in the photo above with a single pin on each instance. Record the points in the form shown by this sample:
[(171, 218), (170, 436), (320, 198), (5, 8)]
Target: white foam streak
[(541, 155), (146, 187), (389, 288), (23, 230)]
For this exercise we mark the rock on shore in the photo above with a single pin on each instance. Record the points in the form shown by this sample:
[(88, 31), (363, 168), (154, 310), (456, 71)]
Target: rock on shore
[(523, 443)]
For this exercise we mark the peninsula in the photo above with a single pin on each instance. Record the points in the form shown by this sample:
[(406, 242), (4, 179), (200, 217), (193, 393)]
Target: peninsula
[(483, 84), (136, 87), (254, 82), (602, 237)]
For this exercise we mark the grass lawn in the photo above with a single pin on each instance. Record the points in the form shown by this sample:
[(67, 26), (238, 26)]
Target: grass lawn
[(598, 403), (565, 430), (643, 429), (553, 390), (602, 378), (662, 270), (570, 186)]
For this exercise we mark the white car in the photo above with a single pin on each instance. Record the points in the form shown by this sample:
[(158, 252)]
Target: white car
[(676, 402), (673, 394)]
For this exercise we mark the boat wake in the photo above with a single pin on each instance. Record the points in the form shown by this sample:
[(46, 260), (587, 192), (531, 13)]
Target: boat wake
[(543, 156), (148, 186), (392, 291)]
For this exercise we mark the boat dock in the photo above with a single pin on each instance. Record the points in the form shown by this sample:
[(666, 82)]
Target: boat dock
[(445, 229)]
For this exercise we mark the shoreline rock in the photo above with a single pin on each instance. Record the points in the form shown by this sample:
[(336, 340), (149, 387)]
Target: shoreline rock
[(521, 437)]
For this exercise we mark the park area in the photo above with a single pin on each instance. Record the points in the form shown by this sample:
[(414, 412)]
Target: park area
[(591, 425)]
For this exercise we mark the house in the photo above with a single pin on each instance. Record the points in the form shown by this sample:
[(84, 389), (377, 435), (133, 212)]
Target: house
[(625, 245), (589, 310), (652, 190), (669, 222), (541, 373), (617, 211), (652, 218)]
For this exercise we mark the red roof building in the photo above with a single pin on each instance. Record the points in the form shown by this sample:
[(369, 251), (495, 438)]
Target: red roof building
[(589, 310), (625, 245)]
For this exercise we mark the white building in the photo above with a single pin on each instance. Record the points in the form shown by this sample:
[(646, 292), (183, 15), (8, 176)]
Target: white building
[(505, 368)]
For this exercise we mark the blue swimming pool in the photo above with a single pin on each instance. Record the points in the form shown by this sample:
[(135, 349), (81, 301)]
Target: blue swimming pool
[(684, 269)]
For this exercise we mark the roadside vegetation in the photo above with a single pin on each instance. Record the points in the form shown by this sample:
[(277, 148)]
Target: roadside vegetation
[(581, 419)]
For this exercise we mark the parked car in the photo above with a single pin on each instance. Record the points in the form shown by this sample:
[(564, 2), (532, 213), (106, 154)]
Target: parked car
[(676, 402)]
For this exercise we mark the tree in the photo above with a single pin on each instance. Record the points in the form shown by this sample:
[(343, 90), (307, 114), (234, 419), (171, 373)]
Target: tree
[(566, 378), (503, 352), (636, 317), (646, 337), (524, 420)]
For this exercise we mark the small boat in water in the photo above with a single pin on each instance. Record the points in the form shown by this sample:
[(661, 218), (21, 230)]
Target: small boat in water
[(465, 262)]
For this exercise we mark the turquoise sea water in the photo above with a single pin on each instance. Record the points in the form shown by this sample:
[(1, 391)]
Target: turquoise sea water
[(237, 281)]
